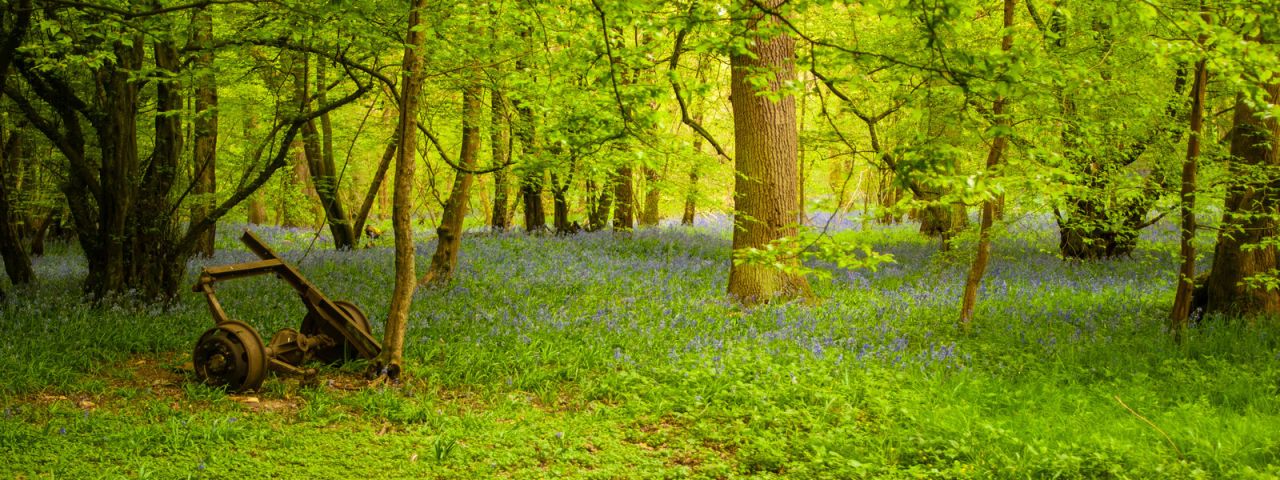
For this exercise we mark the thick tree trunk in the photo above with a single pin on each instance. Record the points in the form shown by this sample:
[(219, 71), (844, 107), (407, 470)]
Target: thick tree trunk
[(624, 202), (449, 233), (499, 143), (392, 356), (560, 205), (766, 193), (600, 207), (979, 266), (1249, 217), (652, 198), (205, 132), (16, 262)]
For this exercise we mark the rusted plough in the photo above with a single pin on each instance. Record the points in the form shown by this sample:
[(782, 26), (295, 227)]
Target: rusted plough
[(233, 355)]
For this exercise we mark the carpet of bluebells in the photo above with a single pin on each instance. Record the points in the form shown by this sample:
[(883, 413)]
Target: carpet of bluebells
[(618, 356)]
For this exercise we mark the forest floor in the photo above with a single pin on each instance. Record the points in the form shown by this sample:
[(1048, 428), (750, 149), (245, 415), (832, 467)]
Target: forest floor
[(617, 356)]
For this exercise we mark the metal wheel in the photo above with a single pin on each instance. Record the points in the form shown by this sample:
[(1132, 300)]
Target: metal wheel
[(231, 355), (342, 350)]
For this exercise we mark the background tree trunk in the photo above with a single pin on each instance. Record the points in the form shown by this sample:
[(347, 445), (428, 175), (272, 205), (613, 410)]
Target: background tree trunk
[(652, 197), (766, 194), (499, 143), (205, 132), (624, 209), (320, 161), (1248, 217), (449, 233)]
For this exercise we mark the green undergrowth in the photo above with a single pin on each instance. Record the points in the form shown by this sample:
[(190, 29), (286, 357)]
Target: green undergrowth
[(603, 356)]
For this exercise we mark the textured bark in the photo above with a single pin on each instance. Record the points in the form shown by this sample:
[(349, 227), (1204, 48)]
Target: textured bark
[(16, 262), (449, 233), (392, 355), (320, 161), (205, 132), (623, 199), (599, 207), (691, 197), (979, 266), (766, 191), (1185, 288), (652, 198), (257, 211), (1248, 217), (375, 186), (499, 143)]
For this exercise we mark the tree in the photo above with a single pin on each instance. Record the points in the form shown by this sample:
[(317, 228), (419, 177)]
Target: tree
[(1183, 292), (766, 194), (205, 131), (392, 357), (1246, 247), (1001, 125), (449, 233)]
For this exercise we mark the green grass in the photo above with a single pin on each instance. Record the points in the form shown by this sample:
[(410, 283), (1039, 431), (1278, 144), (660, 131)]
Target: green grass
[(618, 357)]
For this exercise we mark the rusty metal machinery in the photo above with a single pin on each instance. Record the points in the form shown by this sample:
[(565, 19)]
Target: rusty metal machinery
[(232, 354)]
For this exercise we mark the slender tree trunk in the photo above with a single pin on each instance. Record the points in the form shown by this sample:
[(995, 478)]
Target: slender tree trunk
[(1248, 219), (379, 176), (979, 267), (1185, 289), (392, 356), (766, 193), (499, 143), (449, 233), (205, 126), (691, 198), (601, 208)]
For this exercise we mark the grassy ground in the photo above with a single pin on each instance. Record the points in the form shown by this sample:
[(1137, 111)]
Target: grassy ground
[(606, 356)]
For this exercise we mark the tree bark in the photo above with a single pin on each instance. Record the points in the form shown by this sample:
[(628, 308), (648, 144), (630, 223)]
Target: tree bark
[(449, 234), (379, 176), (499, 143), (392, 356), (1001, 123), (205, 132), (766, 193), (1249, 216), (652, 197), (623, 210), (320, 161), (1185, 288)]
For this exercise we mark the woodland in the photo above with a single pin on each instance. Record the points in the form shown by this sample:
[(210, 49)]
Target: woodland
[(640, 239)]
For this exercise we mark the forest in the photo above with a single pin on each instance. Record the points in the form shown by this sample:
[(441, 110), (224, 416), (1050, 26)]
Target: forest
[(640, 239)]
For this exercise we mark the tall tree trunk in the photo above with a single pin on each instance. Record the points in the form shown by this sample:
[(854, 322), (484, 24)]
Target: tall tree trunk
[(205, 135), (766, 193), (392, 356), (499, 143), (449, 233), (1185, 288), (1248, 219), (624, 209), (560, 204), (1001, 124)]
